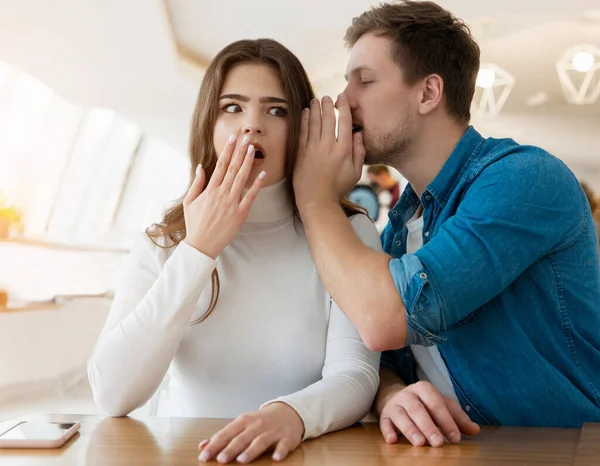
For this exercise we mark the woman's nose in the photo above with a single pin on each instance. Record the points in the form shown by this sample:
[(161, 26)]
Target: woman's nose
[(253, 125)]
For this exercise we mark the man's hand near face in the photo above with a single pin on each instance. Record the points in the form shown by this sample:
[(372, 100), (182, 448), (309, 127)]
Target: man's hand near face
[(327, 166)]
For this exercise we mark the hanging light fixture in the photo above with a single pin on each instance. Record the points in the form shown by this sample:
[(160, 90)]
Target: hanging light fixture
[(492, 88), (579, 74)]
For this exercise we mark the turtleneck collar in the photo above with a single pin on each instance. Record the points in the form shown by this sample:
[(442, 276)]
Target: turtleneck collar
[(271, 208)]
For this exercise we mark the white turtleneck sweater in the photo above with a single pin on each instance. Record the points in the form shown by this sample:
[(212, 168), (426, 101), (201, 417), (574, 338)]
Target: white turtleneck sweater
[(275, 334)]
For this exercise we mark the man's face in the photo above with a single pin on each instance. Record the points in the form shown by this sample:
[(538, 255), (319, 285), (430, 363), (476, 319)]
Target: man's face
[(381, 103)]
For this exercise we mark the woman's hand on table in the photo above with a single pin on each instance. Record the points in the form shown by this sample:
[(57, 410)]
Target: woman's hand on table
[(277, 426)]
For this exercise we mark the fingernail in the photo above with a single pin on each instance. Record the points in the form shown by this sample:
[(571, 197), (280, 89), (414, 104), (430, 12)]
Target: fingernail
[(222, 458), (326, 97), (454, 437), (262, 175), (204, 456), (203, 444), (389, 439), (198, 168), (277, 457), (250, 149), (232, 139), (242, 458), (246, 139), (417, 439), (314, 101), (436, 439)]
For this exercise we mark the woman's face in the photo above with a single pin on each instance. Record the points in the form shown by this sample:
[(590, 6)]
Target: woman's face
[(252, 102)]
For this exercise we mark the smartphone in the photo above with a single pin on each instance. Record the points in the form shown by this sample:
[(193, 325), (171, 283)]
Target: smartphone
[(38, 434)]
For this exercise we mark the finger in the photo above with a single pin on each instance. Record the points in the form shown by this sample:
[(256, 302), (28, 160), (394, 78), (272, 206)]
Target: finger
[(236, 446), (388, 430), (462, 419), (328, 120), (241, 151), (344, 120), (259, 445), (314, 121), (437, 406), (358, 153), (223, 162), (202, 444), (407, 427), (304, 127), (251, 194), (242, 177), (282, 450), (221, 439), (196, 187), (424, 422)]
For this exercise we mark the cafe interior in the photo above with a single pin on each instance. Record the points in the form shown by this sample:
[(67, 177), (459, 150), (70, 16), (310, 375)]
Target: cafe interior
[(96, 100)]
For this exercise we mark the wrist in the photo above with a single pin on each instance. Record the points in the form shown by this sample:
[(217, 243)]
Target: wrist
[(205, 249), (289, 412), (317, 195), (385, 394), (315, 208)]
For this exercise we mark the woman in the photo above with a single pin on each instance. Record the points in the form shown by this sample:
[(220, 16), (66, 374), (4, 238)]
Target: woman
[(224, 294)]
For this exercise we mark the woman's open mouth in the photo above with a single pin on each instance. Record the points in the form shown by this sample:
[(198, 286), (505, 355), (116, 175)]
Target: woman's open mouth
[(259, 152)]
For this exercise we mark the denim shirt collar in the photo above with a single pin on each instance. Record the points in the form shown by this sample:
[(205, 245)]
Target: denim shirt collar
[(456, 168)]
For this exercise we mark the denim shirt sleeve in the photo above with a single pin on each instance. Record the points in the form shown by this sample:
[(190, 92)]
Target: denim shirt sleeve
[(422, 308), (517, 210)]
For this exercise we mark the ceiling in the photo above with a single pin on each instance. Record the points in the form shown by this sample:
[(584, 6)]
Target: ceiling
[(525, 38), (144, 58)]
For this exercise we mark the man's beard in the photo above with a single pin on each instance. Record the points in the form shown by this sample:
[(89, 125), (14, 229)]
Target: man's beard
[(387, 148)]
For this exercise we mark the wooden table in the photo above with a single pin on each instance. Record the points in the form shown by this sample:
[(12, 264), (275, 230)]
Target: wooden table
[(173, 441)]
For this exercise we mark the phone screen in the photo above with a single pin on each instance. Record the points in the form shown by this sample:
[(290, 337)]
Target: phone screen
[(37, 431)]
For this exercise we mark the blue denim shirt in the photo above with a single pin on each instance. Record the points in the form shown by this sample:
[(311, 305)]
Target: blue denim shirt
[(507, 284)]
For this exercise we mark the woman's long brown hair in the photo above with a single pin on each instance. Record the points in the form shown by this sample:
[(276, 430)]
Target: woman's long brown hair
[(298, 93)]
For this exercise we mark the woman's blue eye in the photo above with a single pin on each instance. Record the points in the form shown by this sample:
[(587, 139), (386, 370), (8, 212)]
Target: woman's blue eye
[(278, 111), (232, 108)]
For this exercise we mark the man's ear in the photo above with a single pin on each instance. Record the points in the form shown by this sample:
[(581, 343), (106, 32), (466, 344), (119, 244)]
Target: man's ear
[(432, 92)]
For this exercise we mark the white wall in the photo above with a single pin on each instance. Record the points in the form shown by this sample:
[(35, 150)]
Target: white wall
[(112, 54), (575, 140), (44, 352), (37, 273)]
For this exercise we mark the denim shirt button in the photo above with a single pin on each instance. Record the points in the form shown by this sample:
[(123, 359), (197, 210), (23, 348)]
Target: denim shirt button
[(394, 212), (428, 197), (426, 234), (467, 408), (423, 275), (398, 243)]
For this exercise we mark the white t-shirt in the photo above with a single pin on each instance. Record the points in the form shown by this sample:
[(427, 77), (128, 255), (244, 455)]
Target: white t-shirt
[(430, 365)]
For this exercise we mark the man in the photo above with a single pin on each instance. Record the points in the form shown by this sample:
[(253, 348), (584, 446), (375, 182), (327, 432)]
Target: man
[(488, 297), (380, 175)]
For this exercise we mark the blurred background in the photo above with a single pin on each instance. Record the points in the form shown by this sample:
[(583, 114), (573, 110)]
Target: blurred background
[(95, 103)]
